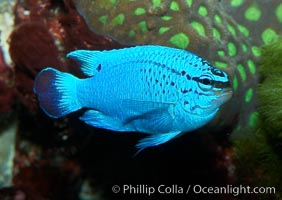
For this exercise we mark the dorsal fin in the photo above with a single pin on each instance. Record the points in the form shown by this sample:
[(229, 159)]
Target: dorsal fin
[(89, 61)]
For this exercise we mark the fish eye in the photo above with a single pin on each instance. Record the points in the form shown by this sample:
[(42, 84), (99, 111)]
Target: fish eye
[(206, 82)]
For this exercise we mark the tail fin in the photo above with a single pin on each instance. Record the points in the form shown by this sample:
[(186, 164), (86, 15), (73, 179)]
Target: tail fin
[(56, 92)]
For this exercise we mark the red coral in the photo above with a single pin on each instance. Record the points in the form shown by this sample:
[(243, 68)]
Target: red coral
[(32, 48), (46, 30), (45, 181), (43, 37)]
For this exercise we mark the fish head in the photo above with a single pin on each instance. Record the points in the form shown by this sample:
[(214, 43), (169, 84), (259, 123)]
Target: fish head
[(210, 90)]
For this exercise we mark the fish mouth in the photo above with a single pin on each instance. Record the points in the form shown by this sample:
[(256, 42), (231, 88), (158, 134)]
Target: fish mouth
[(223, 96)]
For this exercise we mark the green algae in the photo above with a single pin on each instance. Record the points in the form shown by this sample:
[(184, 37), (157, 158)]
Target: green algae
[(166, 18), (189, 2), (216, 33), (249, 95), (118, 20), (251, 66), (257, 148), (253, 13), (256, 51), (232, 50), (162, 30), (143, 26), (221, 65), (199, 28), (278, 12), (236, 3), (139, 11), (218, 19), (203, 11), (156, 3), (256, 161), (180, 40), (232, 30), (268, 35), (235, 83), (243, 30), (244, 48), (242, 72), (174, 6), (221, 53)]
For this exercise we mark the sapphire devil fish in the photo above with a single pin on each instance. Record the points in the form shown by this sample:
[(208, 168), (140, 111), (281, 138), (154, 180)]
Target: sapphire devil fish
[(156, 90)]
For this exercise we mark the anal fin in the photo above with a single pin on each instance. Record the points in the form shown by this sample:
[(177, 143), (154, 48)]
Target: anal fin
[(155, 140)]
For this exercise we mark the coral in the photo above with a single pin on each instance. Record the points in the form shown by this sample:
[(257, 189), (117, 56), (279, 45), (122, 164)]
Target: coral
[(257, 163), (256, 20), (42, 38), (42, 179), (269, 90), (44, 32), (30, 57), (258, 149)]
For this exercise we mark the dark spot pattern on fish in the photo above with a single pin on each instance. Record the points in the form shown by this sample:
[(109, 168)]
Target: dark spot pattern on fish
[(184, 91), (99, 68), (205, 62), (217, 72), (163, 66), (175, 72), (188, 77)]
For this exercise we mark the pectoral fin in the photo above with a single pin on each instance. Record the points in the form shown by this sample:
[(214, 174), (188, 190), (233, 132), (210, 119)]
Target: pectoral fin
[(100, 120), (155, 121)]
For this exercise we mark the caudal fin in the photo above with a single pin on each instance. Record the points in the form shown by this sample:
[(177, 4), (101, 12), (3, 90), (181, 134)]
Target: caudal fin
[(56, 92)]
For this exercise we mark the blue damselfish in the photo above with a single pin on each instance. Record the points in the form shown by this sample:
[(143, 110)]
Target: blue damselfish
[(156, 90)]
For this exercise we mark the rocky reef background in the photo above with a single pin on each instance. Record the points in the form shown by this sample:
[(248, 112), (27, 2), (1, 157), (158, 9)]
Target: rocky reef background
[(43, 158)]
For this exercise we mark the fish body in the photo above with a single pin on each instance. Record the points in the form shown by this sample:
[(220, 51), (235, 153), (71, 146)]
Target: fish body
[(156, 90)]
